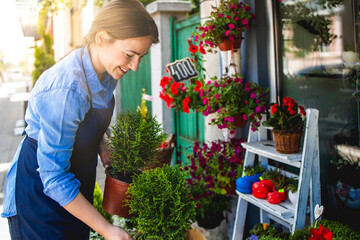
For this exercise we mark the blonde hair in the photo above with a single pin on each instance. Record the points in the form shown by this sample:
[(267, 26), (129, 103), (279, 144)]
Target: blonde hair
[(123, 19)]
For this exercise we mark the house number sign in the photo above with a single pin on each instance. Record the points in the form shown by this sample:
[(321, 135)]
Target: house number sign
[(181, 70)]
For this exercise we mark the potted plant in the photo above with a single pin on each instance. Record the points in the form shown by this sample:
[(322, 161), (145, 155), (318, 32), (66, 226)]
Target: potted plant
[(160, 204), (234, 101), (287, 121), (215, 166), (292, 189), (226, 24), (280, 184), (183, 96), (134, 142)]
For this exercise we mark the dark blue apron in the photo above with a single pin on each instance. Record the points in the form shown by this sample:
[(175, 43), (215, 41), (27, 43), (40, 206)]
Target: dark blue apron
[(40, 217)]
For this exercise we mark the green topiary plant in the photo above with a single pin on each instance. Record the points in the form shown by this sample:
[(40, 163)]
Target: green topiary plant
[(340, 231), (160, 204), (134, 141)]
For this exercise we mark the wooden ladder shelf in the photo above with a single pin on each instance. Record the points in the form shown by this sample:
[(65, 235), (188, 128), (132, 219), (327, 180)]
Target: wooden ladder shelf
[(290, 215)]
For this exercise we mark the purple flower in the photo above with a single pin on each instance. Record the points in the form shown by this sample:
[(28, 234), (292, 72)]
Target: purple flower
[(230, 119), (257, 109), (247, 89), (253, 95), (205, 113), (232, 131), (217, 96), (224, 85), (245, 117)]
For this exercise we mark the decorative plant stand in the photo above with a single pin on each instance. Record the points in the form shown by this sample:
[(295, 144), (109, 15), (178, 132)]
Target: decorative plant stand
[(307, 161)]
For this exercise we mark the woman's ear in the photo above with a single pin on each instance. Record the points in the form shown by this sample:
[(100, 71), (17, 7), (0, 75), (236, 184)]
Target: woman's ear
[(101, 38)]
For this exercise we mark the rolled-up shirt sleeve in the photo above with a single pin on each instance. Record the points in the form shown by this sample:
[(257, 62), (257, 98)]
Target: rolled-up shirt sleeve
[(60, 112)]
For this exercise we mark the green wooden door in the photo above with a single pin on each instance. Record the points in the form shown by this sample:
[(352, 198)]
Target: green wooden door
[(133, 83), (188, 127)]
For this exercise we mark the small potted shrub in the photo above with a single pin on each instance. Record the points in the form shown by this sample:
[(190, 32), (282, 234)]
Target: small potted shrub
[(160, 204), (134, 142)]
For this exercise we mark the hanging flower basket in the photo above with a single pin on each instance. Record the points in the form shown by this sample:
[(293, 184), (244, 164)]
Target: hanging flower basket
[(230, 44), (287, 142)]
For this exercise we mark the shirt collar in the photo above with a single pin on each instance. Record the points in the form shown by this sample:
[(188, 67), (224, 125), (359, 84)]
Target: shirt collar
[(93, 81)]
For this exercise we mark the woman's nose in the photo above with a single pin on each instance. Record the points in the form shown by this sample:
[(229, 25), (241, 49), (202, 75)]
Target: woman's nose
[(134, 64)]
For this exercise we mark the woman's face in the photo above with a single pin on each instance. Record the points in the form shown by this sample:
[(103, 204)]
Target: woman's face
[(123, 55)]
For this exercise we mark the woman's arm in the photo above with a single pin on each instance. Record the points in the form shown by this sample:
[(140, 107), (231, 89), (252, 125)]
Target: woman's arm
[(83, 210)]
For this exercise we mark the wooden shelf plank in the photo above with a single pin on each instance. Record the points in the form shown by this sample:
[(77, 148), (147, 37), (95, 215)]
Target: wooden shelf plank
[(284, 210), (267, 149)]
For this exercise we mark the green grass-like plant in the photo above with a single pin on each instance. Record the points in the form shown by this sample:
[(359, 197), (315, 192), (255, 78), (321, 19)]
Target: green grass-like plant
[(134, 141), (161, 204)]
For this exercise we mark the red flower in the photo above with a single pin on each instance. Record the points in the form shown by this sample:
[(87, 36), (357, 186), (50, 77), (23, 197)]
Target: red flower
[(274, 108), (174, 88), (291, 111), (193, 48), (198, 86), (302, 110), (321, 233), (202, 50), (167, 99), (165, 80)]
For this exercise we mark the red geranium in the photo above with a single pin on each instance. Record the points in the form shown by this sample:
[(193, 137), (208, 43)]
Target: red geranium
[(286, 116), (321, 233)]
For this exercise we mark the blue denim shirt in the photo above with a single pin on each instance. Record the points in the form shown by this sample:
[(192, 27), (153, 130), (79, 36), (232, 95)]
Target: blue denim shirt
[(57, 105)]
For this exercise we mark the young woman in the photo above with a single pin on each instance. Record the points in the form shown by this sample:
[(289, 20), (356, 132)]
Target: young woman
[(49, 188)]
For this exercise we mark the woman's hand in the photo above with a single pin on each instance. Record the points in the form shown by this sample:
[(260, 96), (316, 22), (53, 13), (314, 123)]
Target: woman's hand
[(116, 233), (105, 152)]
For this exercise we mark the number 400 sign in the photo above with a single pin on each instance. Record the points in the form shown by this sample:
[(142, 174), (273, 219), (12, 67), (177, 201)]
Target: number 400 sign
[(181, 70)]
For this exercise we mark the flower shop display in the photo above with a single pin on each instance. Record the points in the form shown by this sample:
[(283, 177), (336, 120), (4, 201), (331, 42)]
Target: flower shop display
[(231, 98), (226, 24), (134, 142), (287, 121), (160, 204)]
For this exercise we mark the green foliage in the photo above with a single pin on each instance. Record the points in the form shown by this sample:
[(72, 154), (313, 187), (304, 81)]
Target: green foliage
[(292, 184), (97, 203), (252, 170), (134, 141), (268, 232), (340, 231), (161, 205), (43, 61), (300, 234)]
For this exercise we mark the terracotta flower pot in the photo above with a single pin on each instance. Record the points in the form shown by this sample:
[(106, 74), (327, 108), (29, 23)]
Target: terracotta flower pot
[(115, 196), (286, 142), (239, 122), (228, 44)]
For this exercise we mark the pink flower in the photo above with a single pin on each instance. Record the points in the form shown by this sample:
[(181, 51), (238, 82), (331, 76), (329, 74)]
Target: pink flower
[(220, 15), (228, 17), (253, 95), (201, 92), (244, 21), (217, 96), (245, 117), (196, 38), (231, 25), (233, 6), (227, 33)]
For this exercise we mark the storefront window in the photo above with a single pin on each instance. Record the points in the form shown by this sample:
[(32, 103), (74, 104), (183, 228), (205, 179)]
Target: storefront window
[(319, 68)]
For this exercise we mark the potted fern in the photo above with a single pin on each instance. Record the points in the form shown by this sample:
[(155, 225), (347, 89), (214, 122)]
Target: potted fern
[(160, 204), (134, 142)]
